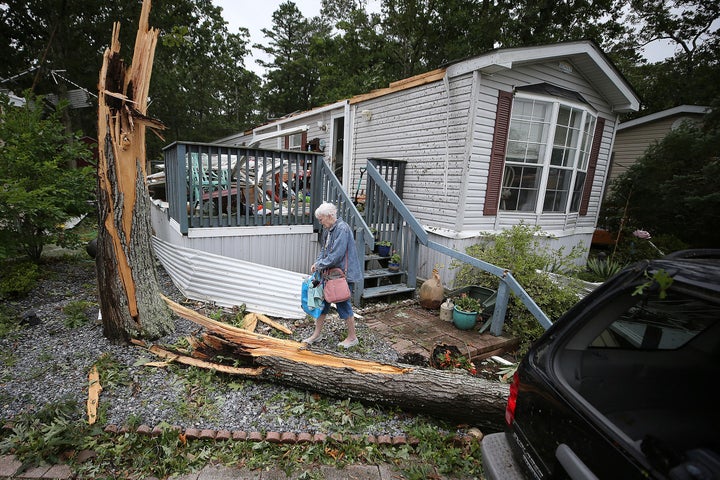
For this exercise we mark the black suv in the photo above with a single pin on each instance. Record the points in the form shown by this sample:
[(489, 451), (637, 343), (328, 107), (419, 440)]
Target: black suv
[(623, 385)]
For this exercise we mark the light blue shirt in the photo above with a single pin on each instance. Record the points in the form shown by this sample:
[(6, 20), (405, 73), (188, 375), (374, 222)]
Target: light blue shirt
[(335, 243)]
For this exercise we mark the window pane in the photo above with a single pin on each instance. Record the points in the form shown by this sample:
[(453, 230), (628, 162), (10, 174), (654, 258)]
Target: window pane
[(520, 188), (295, 142), (587, 137), (567, 137), (529, 163), (528, 132), (556, 192), (578, 191)]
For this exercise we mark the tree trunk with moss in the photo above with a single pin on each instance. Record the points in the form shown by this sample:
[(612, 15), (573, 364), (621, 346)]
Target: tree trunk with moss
[(130, 299)]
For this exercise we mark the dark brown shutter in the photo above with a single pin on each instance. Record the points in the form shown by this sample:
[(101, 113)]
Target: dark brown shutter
[(497, 154), (592, 165), (287, 142), (303, 141)]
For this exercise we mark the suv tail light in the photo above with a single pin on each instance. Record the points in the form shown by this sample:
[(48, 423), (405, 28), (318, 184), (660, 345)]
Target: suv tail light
[(512, 400)]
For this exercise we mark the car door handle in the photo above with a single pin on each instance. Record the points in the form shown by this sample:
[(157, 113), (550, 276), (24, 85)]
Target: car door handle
[(575, 468)]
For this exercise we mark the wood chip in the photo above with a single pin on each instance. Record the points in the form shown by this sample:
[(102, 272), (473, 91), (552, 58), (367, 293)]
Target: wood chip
[(94, 389)]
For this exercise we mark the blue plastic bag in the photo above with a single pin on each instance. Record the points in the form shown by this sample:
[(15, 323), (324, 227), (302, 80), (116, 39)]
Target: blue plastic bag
[(311, 297)]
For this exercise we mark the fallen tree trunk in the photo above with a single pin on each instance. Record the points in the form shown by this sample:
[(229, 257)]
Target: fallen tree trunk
[(450, 394)]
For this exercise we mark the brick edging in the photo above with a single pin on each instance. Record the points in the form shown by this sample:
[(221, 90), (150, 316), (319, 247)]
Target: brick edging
[(288, 438)]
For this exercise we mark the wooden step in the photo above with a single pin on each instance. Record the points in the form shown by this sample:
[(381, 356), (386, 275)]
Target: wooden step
[(386, 290), (380, 273)]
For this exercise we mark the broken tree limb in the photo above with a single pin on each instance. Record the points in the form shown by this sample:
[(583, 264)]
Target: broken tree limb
[(250, 321), (171, 357), (451, 394), (94, 389)]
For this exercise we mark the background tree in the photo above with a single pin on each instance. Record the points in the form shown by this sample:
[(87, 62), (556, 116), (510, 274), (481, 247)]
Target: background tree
[(39, 193), (202, 90), (351, 60), (292, 77), (542, 22), (688, 77), (674, 189)]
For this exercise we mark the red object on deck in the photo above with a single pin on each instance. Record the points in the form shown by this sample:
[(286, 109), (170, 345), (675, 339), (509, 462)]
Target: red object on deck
[(602, 237)]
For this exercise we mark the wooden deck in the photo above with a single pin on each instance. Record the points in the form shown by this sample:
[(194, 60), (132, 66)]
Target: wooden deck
[(414, 330)]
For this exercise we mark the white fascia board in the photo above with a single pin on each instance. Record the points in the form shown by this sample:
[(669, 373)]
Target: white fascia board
[(682, 109), (276, 124), (507, 58), (278, 133)]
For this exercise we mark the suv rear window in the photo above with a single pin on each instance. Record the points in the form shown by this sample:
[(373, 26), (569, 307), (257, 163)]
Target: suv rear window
[(652, 323)]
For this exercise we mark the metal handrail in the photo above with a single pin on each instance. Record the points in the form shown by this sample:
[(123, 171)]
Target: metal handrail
[(417, 234)]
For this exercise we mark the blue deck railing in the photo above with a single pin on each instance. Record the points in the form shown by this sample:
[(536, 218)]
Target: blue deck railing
[(210, 185)]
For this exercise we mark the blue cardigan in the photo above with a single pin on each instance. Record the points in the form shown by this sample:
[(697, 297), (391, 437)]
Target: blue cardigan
[(335, 242)]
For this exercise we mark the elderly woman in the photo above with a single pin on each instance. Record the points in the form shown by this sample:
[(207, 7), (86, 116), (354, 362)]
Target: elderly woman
[(337, 251)]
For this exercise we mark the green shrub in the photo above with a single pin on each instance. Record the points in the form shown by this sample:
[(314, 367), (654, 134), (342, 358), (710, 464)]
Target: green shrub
[(40, 193), (602, 269), (76, 313), (18, 278), (520, 250), (45, 435)]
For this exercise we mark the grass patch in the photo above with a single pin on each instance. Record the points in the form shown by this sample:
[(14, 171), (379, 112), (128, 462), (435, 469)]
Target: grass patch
[(76, 313)]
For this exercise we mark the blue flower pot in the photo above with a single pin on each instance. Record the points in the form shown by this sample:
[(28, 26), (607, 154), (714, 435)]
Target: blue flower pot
[(464, 320), (383, 250)]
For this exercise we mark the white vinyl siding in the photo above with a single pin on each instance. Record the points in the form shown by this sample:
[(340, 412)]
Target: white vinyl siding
[(420, 126), (476, 182)]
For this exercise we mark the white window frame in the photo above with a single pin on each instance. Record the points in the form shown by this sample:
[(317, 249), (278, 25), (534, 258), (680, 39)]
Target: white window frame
[(295, 141), (577, 165)]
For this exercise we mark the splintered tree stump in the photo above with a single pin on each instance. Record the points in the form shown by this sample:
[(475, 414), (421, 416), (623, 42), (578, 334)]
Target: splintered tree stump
[(129, 291)]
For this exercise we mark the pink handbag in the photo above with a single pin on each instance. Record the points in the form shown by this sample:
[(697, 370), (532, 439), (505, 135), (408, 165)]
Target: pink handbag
[(335, 287)]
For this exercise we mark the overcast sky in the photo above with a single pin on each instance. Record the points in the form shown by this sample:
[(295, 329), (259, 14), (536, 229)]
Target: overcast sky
[(257, 14)]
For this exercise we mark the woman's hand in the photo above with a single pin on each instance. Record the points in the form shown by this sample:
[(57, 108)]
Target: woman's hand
[(312, 269)]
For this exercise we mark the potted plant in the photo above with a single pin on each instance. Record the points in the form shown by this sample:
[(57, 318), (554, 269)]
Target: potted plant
[(466, 311), (394, 262), (384, 248)]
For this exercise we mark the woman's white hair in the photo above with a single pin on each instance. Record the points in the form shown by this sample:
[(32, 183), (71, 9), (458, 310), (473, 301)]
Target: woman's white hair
[(326, 209)]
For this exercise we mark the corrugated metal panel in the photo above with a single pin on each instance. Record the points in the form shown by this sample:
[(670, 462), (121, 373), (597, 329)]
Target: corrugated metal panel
[(228, 282)]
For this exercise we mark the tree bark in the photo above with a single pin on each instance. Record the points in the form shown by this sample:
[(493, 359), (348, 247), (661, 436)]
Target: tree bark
[(130, 299), (450, 394)]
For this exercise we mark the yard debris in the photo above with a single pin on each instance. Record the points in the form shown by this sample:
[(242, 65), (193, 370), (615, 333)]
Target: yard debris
[(187, 360), (250, 322), (94, 389)]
